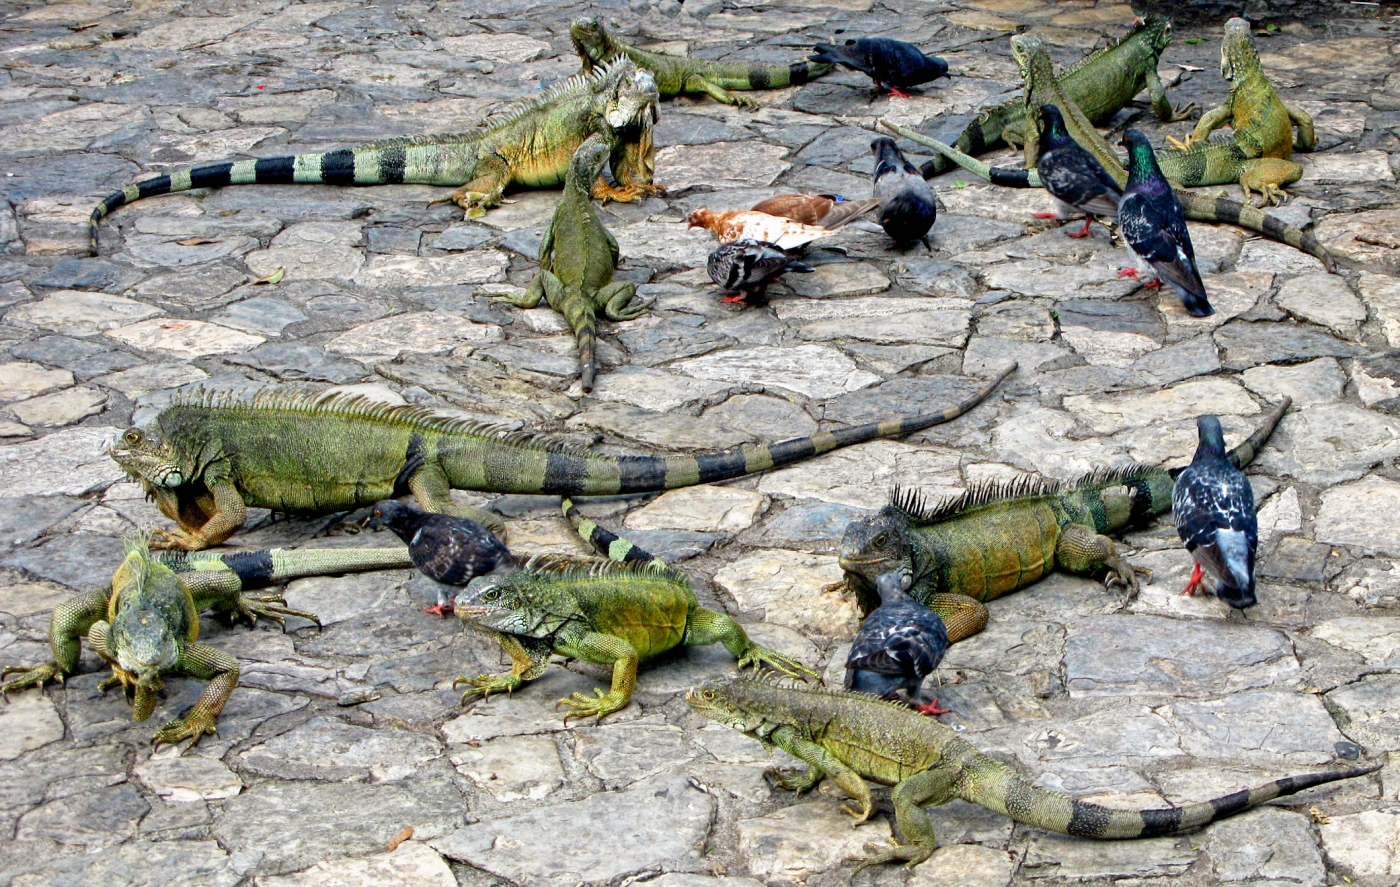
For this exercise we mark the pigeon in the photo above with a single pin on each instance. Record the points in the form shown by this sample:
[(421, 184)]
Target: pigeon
[(1214, 509), (1072, 175), (1154, 228), (900, 643), (734, 225), (744, 268), (827, 211), (907, 207), (892, 64), (451, 551)]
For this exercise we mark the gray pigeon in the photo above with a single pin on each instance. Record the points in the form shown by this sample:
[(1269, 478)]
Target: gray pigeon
[(744, 268), (907, 207), (451, 551), (900, 643), (1213, 505), (892, 64)]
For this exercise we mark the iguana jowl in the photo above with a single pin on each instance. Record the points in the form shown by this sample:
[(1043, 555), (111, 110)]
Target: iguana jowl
[(678, 75), (851, 737), (997, 539), (530, 144), (577, 259), (207, 457), (598, 611), (147, 623)]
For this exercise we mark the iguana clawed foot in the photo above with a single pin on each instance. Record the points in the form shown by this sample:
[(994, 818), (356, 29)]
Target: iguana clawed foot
[(794, 779), (178, 540), (910, 854), (29, 676), (624, 193), (486, 684), (269, 606), (1183, 112), (473, 203), (192, 726), (602, 704), (1120, 572), (757, 657)]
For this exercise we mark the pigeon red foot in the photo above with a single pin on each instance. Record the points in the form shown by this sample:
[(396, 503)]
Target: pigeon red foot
[(1046, 215), (1194, 584), (439, 610), (930, 708), (735, 298), (1152, 284), (1083, 232)]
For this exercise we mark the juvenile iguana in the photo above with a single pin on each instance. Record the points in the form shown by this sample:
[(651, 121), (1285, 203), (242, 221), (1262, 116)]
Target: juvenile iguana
[(998, 538), (851, 737), (577, 259), (678, 75), (1042, 89), (1101, 84), (209, 456), (598, 611), (528, 144), (147, 623)]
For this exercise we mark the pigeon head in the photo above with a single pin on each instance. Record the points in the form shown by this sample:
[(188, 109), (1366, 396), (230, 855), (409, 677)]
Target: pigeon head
[(894, 586), (1142, 161), (906, 218), (390, 514), (700, 217), (1052, 126), (934, 67), (1237, 52), (1211, 436)]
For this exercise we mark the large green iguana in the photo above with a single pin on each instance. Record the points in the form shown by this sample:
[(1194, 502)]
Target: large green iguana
[(599, 611), (577, 259), (1101, 84), (995, 539), (208, 456), (147, 623), (678, 75), (852, 737), (529, 144), (1042, 89)]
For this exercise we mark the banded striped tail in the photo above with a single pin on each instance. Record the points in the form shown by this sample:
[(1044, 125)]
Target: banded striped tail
[(613, 547), (273, 566), (1203, 208)]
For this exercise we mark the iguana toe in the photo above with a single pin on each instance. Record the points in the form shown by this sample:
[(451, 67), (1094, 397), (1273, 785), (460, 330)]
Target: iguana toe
[(1181, 144), (1185, 112), (601, 704), (486, 684), (29, 676), (272, 607), (191, 726), (176, 539)]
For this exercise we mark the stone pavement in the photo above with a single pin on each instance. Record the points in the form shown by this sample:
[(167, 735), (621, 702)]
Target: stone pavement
[(336, 740)]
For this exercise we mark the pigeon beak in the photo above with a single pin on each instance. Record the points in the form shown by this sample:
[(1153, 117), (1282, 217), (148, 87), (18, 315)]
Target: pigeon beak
[(1239, 598)]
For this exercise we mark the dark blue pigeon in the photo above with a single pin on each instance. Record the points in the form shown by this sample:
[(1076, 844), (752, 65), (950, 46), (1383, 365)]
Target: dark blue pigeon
[(451, 551), (1072, 175), (1214, 509), (743, 269), (900, 643), (1154, 229), (907, 208), (892, 64)]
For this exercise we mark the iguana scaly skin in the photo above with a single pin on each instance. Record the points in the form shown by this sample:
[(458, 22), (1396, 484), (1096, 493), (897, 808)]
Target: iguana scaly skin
[(530, 145), (678, 75), (995, 539), (603, 612), (851, 737), (577, 259), (1101, 83), (207, 457), (1042, 89), (1257, 152)]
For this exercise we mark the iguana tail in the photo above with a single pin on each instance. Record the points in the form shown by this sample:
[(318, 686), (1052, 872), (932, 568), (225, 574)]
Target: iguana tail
[(389, 162), (982, 134), (1243, 454), (613, 547), (997, 787), (274, 566), (1201, 208), (745, 77), (583, 318)]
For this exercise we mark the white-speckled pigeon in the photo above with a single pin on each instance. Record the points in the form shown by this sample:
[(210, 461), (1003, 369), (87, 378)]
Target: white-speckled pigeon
[(449, 550), (1154, 228), (744, 268), (900, 643), (892, 64), (1214, 509), (1072, 175), (907, 207)]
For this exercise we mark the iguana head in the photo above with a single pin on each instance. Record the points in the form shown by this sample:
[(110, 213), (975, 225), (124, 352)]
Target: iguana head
[(592, 41), (146, 456), (523, 603), (1030, 57), (1158, 29), (633, 105), (719, 701), (152, 618), (1237, 52), (879, 544)]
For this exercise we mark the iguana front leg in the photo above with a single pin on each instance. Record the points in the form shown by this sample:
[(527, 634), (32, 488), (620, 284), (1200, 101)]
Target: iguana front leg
[(708, 627), (1268, 175), (846, 779), (598, 647), (1306, 139), (1083, 551), (962, 615), (433, 490), (140, 693), (1210, 121), (204, 663), (633, 170), (698, 83), (222, 592), (529, 658), (71, 620), (795, 779), (614, 301), (930, 787), (1161, 105), (482, 192), (229, 515)]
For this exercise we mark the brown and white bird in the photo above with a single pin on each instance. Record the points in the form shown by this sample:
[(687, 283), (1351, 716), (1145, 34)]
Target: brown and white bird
[(829, 211), (451, 551), (733, 225)]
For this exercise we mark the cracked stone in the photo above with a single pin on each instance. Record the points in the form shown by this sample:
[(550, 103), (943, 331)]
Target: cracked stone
[(188, 778), (1364, 845), (781, 586), (803, 840), (704, 508), (1375, 638), (424, 332), (185, 339), (80, 314), (1359, 514), (1371, 711), (29, 721), (512, 768), (97, 818), (63, 408), (72, 462), (20, 380), (329, 749), (411, 864), (747, 164), (815, 371), (1323, 299)]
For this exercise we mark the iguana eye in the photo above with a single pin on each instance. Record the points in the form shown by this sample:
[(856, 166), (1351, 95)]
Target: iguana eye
[(882, 540), (131, 437), (491, 595)]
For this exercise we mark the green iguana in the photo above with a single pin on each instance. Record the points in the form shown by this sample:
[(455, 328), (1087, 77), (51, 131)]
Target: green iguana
[(209, 456), (851, 737), (1257, 152), (577, 259), (1042, 89), (678, 75), (1101, 84), (528, 144), (995, 539), (147, 623), (598, 611)]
